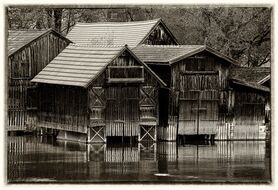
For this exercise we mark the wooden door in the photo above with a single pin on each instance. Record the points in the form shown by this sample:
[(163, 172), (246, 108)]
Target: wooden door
[(198, 104), (122, 111)]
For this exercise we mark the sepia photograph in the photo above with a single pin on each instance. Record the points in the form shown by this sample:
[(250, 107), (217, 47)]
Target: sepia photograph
[(138, 94)]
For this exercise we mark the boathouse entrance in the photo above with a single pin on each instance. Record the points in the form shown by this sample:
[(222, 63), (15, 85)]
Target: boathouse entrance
[(198, 104), (163, 106), (122, 111)]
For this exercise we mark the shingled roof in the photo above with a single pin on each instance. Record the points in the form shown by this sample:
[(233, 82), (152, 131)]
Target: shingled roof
[(250, 74), (79, 65), (170, 54), (252, 85), (18, 39), (114, 33)]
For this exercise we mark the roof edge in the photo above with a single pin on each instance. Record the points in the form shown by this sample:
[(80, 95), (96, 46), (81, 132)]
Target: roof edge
[(146, 66), (264, 79), (122, 22), (204, 48), (41, 35), (197, 50), (104, 68), (250, 85), (159, 21)]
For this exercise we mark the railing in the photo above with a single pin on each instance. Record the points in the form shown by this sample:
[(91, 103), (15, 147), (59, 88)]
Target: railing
[(127, 74)]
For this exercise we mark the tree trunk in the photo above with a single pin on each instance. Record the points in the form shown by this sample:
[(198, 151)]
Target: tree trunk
[(49, 17), (57, 19)]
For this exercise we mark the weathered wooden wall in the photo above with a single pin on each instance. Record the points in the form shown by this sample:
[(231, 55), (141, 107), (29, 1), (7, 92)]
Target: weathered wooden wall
[(159, 37), (199, 87), (122, 111), (119, 107), (62, 107), (23, 65), (249, 114)]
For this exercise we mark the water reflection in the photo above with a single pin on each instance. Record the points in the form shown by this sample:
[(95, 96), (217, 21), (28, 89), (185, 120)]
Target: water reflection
[(39, 159)]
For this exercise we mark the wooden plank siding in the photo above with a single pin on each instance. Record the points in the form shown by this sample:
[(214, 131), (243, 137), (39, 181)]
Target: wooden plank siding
[(249, 110), (160, 36), (122, 107), (23, 65), (62, 108), (96, 106), (200, 84)]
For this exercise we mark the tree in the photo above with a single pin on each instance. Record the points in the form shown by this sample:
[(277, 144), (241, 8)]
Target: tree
[(243, 33)]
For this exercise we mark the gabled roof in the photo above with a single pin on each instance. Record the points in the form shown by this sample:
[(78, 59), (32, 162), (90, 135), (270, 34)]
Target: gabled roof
[(115, 33), (170, 54), (79, 65), (18, 39), (249, 84), (251, 74)]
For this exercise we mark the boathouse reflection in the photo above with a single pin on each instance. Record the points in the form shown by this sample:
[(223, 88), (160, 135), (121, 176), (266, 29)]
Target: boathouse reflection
[(39, 159)]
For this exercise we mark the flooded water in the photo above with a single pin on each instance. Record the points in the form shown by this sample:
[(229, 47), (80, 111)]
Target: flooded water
[(41, 159)]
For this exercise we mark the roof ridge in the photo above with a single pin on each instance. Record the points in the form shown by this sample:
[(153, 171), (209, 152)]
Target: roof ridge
[(177, 46), (26, 30), (95, 45), (127, 23)]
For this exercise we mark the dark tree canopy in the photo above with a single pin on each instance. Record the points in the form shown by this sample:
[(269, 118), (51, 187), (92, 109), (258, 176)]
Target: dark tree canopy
[(243, 33)]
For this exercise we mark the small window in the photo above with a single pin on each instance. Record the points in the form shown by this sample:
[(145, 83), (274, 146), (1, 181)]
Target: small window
[(32, 97)]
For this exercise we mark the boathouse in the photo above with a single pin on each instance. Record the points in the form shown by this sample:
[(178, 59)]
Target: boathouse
[(250, 102), (204, 97), (97, 89), (197, 77), (92, 93), (29, 51)]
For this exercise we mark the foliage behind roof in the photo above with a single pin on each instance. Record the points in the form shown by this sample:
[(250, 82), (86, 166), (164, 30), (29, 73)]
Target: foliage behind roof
[(114, 33), (17, 39), (250, 74), (79, 65), (173, 53)]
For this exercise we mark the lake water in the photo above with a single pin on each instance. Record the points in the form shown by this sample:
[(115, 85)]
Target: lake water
[(46, 160)]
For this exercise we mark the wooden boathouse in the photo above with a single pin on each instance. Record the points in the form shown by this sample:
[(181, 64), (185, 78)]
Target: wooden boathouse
[(29, 51), (203, 99), (92, 93), (97, 88), (197, 77), (250, 102)]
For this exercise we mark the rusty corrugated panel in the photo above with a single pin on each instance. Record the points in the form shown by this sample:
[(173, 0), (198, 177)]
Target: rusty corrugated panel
[(19, 38), (163, 53), (77, 65), (111, 33)]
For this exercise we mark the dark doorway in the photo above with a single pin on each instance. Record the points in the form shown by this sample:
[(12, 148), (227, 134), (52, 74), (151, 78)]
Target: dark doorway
[(163, 106)]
